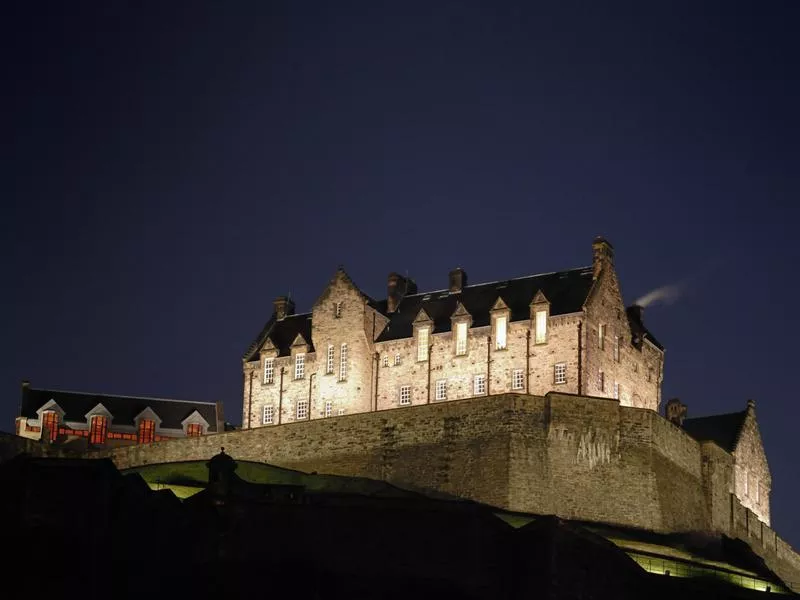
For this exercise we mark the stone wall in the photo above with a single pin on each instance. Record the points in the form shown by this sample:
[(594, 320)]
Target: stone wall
[(577, 457), (752, 479)]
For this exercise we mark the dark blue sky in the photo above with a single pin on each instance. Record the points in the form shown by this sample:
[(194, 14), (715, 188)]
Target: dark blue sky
[(170, 167)]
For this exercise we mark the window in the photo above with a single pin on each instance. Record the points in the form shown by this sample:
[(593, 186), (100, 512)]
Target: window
[(340, 411), (329, 361), (343, 362), (517, 379), (328, 408), (441, 389), (601, 336), (50, 422), (98, 429), (479, 385), (269, 370), (616, 349), (405, 395), (269, 415), (746, 482), (541, 326), (147, 431), (194, 430), (396, 360), (560, 373), (649, 374), (601, 381), (635, 367), (302, 409), (461, 339), (299, 366), (758, 491), (422, 343), (337, 310), (500, 331), (385, 360), (616, 390)]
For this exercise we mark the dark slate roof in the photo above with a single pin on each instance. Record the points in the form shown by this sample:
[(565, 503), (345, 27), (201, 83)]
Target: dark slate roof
[(639, 330), (123, 408), (722, 429), (282, 333), (566, 291)]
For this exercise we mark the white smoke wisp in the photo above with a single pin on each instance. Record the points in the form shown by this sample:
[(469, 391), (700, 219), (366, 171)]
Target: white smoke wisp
[(666, 294)]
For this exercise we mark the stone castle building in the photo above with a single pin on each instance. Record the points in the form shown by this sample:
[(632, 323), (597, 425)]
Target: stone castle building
[(565, 331)]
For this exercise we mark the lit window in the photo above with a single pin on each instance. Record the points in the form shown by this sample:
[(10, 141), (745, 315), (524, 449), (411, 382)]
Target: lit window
[(616, 391), (302, 409), (337, 310), (616, 348), (441, 389), (601, 381), (479, 385), (396, 360), (50, 423), (422, 344), (194, 430), (269, 370), (405, 395), (541, 326), (147, 431), (500, 331), (329, 361), (343, 362), (461, 339), (269, 415), (299, 366), (98, 429), (328, 408), (560, 372), (601, 336), (385, 360), (517, 379)]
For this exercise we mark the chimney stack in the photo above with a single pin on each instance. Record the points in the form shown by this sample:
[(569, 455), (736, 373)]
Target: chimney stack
[(636, 312), (397, 287), (458, 280), (676, 412), (283, 307), (602, 255)]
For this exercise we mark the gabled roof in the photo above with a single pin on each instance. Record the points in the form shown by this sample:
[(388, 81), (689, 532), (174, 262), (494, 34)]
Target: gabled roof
[(566, 290), (123, 408), (721, 429), (282, 334)]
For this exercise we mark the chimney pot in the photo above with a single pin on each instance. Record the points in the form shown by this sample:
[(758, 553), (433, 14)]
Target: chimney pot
[(458, 280), (283, 307)]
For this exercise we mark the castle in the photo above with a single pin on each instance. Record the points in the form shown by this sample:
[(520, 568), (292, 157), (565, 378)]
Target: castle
[(567, 331)]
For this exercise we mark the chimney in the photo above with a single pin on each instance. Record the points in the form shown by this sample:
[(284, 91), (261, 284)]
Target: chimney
[(283, 307), (676, 412), (602, 255), (458, 280), (397, 287), (636, 313)]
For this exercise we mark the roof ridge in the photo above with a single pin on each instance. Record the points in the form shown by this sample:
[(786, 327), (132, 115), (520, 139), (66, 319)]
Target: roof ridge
[(728, 414), (95, 394), (475, 285)]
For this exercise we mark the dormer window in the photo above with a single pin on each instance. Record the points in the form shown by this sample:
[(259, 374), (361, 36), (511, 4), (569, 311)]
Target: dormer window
[(98, 430), (299, 366), (50, 425), (500, 332), (541, 326), (194, 430), (337, 310), (461, 339), (269, 370), (423, 334), (147, 431)]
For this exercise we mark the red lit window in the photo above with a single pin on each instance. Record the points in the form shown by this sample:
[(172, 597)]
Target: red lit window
[(98, 430), (50, 422), (194, 429), (147, 431)]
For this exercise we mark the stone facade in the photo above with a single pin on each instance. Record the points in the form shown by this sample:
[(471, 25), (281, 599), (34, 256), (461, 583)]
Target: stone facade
[(589, 345), (752, 479)]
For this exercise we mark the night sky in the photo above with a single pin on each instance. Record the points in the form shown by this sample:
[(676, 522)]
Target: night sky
[(168, 168)]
